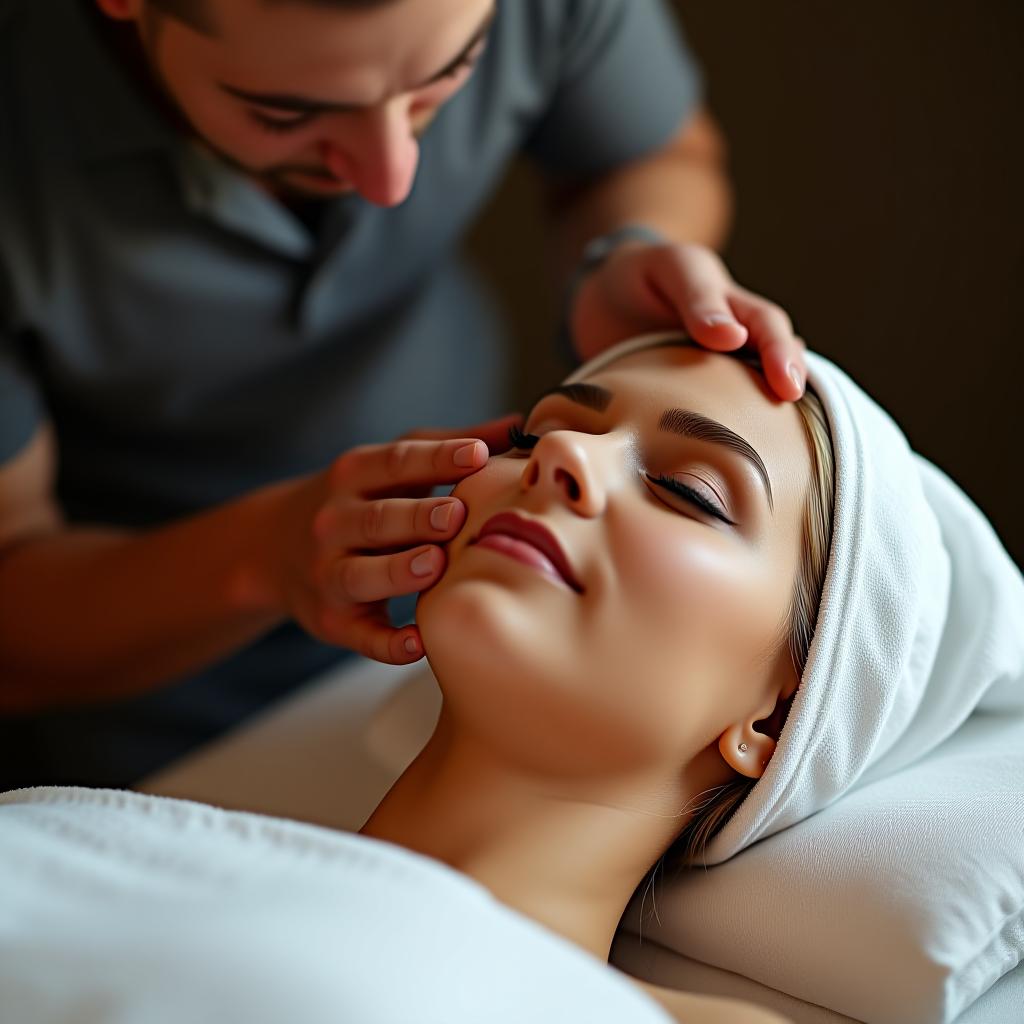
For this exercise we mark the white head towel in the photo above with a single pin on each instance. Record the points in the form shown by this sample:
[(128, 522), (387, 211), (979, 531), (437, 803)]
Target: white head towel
[(921, 620)]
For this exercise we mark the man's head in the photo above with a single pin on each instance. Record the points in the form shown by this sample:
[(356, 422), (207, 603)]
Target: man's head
[(312, 96)]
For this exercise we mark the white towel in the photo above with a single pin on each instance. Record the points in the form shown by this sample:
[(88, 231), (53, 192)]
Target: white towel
[(921, 620)]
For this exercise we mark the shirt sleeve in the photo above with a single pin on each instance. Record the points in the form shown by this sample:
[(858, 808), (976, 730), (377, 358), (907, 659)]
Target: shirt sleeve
[(625, 83)]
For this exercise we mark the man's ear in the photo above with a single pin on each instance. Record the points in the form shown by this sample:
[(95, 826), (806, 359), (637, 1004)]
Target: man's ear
[(121, 10)]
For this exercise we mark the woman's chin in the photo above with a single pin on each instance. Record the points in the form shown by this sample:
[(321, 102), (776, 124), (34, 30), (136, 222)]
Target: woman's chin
[(474, 621)]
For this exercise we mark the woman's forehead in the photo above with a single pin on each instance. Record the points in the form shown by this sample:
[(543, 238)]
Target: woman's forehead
[(710, 383)]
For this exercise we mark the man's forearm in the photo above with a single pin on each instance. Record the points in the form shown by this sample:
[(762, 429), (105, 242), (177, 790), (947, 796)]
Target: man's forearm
[(682, 190), (89, 614)]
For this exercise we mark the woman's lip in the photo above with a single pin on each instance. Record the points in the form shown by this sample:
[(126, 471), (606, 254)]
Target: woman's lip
[(521, 551), (528, 541)]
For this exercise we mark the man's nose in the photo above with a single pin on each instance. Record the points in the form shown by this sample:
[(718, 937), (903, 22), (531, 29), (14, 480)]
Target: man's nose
[(563, 469), (377, 152)]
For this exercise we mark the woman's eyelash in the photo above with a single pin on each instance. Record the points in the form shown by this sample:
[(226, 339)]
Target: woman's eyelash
[(518, 439), (689, 494)]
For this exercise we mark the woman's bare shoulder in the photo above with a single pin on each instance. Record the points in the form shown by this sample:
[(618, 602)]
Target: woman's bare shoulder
[(692, 1008)]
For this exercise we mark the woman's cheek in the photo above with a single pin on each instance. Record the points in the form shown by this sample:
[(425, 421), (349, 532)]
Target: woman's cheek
[(688, 580), (484, 493), (496, 476)]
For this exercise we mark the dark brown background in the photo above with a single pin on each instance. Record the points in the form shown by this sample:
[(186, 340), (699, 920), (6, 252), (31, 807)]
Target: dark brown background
[(877, 158)]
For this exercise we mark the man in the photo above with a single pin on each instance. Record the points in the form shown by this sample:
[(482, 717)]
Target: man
[(226, 263)]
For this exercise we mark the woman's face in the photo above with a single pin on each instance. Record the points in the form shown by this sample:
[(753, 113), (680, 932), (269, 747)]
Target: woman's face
[(673, 484)]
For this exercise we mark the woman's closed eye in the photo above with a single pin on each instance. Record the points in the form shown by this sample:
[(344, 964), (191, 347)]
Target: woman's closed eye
[(690, 494)]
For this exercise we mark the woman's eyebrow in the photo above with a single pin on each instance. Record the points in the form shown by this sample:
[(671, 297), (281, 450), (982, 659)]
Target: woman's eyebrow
[(701, 428), (308, 105), (677, 421)]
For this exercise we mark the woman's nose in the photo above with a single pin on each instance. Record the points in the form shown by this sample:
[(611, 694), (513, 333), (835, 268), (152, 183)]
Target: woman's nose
[(563, 469), (376, 151)]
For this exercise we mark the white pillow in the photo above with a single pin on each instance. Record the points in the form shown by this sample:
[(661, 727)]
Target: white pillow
[(899, 904)]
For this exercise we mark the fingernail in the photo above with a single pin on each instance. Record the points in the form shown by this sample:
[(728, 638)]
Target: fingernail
[(467, 454), (423, 563), (796, 377), (441, 515), (716, 319), (411, 646)]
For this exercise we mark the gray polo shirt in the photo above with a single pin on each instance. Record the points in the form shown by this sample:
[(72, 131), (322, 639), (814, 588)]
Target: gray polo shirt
[(191, 339)]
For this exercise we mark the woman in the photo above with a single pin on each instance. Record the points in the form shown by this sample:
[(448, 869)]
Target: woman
[(628, 644), (623, 621)]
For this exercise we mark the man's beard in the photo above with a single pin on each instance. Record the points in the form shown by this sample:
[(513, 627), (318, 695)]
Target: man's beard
[(278, 179)]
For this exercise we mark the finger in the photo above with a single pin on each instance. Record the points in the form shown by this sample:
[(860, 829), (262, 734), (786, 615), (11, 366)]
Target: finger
[(359, 579), (695, 285), (388, 522), (369, 632), (380, 469), (780, 350), (712, 326), (494, 433), (374, 637)]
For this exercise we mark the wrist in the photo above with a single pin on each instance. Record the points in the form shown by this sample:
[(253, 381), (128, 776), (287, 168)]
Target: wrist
[(255, 583), (593, 255)]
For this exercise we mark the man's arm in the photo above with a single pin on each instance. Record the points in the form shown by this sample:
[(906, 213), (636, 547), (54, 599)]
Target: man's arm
[(94, 613), (682, 191)]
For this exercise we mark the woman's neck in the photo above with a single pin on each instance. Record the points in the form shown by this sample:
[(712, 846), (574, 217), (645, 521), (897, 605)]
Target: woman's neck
[(568, 853)]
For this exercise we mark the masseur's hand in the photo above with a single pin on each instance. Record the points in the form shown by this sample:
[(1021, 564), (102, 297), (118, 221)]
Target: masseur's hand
[(641, 288), (361, 532)]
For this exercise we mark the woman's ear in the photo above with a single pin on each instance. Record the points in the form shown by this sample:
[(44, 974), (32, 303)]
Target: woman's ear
[(748, 750)]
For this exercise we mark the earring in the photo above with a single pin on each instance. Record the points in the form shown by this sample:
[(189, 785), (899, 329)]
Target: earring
[(743, 748)]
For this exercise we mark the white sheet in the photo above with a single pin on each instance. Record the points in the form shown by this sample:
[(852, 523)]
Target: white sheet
[(118, 907)]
